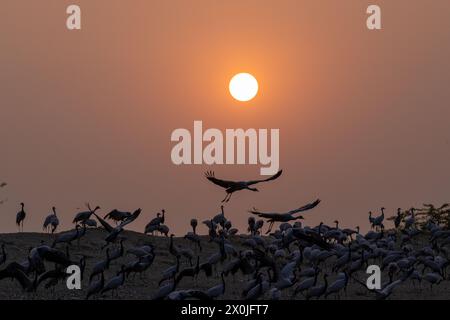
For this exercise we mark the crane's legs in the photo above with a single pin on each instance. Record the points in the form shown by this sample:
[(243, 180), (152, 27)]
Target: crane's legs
[(227, 197)]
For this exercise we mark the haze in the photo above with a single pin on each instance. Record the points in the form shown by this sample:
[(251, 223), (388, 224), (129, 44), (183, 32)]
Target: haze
[(86, 116)]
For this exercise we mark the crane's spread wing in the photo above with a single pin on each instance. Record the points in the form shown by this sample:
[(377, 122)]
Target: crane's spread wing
[(223, 183), (264, 215), (309, 206), (105, 224), (131, 218), (267, 215), (275, 176)]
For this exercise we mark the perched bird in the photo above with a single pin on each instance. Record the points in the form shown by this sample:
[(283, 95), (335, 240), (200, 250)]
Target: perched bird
[(233, 186)]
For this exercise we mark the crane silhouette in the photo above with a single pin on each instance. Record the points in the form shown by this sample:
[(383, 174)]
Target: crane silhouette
[(85, 215), (284, 217), (117, 216), (233, 186), (20, 216), (51, 220)]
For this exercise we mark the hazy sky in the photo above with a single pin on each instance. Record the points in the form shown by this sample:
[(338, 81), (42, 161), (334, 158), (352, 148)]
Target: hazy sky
[(87, 115)]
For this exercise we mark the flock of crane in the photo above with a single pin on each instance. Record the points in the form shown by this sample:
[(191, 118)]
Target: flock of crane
[(292, 261)]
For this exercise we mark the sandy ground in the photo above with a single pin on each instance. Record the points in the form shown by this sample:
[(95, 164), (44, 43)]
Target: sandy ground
[(144, 287)]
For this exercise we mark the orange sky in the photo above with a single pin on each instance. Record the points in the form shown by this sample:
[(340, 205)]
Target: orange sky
[(87, 115)]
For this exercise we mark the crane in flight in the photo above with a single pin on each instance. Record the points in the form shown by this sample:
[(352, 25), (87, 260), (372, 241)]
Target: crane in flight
[(284, 217), (233, 186)]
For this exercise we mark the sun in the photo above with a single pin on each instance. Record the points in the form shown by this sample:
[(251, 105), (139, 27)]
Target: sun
[(243, 87)]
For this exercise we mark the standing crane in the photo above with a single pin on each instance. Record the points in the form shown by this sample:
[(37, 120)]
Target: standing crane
[(20, 216)]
